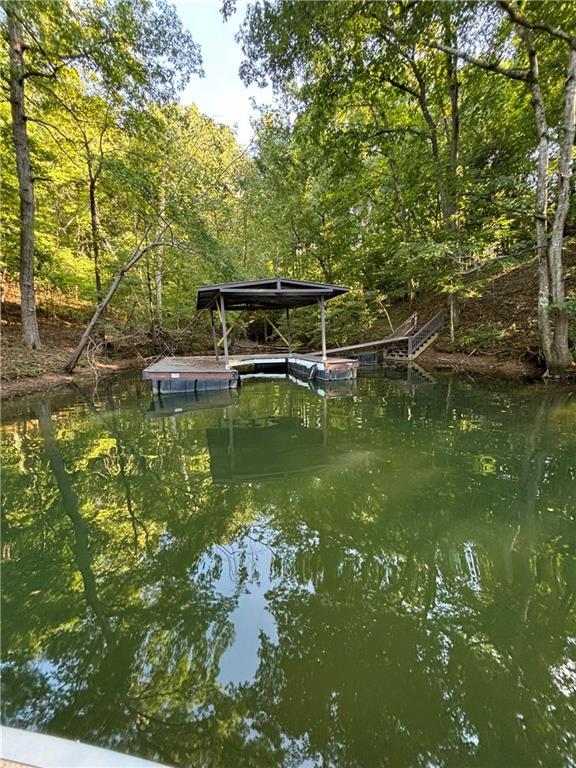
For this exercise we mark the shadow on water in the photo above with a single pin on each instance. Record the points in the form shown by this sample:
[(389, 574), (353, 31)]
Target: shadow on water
[(384, 577)]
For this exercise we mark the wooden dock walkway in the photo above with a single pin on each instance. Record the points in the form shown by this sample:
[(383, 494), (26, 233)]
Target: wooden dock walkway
[(407, 342), (203, 373)]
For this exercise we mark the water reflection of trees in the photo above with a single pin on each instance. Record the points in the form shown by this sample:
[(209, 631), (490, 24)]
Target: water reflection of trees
[(422, 583)]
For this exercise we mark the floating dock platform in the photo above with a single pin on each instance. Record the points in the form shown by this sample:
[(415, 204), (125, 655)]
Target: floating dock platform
[(200, 374)]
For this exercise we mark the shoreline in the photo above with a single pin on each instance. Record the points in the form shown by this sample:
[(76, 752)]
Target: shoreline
[(487, 364), (29, 385), (456, 362)]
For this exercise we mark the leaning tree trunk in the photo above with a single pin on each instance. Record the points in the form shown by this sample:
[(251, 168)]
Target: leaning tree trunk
[(30, 332), (136, 256)]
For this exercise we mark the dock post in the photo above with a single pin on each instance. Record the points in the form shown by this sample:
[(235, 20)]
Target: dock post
[(288, 331), (323, 324), (224, 332), (213, 329)]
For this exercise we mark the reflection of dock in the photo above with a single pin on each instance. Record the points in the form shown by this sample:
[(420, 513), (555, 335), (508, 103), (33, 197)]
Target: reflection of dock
[(266, 449), (410, 373), (173, 404), (328, 389)]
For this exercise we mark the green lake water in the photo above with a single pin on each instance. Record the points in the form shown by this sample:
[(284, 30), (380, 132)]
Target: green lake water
[(274, 577)]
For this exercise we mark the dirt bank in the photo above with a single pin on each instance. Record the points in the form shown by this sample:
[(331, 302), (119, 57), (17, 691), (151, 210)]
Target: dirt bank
[(32, 370), (47, 381), (487, 364)]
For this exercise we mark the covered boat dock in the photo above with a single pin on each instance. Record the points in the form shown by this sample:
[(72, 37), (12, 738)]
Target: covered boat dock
[(192, 374)]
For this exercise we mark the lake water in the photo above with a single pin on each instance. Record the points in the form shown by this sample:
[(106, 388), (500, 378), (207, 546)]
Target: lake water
[(277, 577)]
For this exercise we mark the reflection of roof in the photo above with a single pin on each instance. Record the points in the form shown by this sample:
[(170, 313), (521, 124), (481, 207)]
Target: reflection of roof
[(277, 447), (272, 293)]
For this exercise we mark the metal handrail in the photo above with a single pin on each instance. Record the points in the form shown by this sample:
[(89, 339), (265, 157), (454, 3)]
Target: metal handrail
[(423, 334)]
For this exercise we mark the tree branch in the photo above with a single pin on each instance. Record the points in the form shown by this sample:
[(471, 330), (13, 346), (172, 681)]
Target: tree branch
[(519, 18), (513, 74), (400, 86)]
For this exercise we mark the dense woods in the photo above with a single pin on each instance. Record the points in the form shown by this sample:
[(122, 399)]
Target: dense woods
[(413, 147), (298, 566)]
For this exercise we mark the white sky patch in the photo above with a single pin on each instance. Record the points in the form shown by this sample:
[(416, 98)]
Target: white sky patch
[(220, 94)]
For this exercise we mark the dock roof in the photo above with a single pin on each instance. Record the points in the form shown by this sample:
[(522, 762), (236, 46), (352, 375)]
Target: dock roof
[(270, 293)]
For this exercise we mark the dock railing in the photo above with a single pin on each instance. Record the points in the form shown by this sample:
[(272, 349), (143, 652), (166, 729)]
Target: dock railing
[(422, 335)]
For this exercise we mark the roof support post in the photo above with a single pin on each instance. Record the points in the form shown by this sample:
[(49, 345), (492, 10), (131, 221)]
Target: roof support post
[(222, 310), (213, 329), (323, 326), (288, 331)]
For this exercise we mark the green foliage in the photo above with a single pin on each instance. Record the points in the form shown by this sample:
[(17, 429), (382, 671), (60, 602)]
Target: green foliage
[(349, 319), (569, 304), (485, 336), (385, 164), (116, 160), (396, 166)]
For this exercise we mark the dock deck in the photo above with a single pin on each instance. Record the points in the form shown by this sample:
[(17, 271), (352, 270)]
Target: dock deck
[(199, 373)]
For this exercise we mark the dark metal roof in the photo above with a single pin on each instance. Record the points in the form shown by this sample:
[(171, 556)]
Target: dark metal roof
[(271, 293)]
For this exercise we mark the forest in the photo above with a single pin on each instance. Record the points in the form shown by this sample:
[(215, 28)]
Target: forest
[(289, 560), (415, 151)]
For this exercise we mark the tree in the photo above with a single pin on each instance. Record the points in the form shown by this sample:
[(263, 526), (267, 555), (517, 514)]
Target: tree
[(129, 53), (105, 301), (339, 64), (552, 309)]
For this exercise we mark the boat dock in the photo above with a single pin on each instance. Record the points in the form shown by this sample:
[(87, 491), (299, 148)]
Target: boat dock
[(181, 375), (203, 373)]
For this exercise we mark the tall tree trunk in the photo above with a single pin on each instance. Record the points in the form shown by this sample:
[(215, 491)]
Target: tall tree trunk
[(541, 212), (422, 98), (561, 359), (552, 316), (158, 271), (446, 186), (452, 222), (30, 332), (244, 235), (454, 315), (95, 232), (151, 308)]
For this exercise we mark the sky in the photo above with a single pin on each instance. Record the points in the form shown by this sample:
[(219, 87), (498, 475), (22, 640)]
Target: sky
[(220, 94)]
